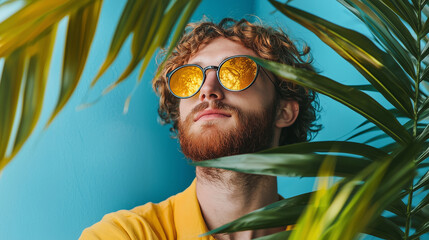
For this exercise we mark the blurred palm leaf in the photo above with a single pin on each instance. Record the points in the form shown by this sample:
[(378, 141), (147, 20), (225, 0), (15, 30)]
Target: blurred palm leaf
[(80, 32), (34, 88), (302, 159), (27, 39)]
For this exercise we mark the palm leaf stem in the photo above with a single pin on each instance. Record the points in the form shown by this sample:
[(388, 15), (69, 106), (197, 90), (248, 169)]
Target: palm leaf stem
[(417, 84)]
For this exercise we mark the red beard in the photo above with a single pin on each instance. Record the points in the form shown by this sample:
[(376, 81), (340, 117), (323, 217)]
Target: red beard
[(254, 132)]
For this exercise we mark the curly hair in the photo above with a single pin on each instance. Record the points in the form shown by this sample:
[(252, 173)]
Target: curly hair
[(267, 43)]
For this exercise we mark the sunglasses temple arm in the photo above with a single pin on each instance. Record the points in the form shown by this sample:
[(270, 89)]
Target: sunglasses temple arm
[(275, 85)]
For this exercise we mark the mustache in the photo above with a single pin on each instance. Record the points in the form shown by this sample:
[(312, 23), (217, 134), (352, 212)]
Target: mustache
[(215, 105)]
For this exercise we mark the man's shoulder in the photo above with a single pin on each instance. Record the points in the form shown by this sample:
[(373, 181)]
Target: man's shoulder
[(162, 212), (148, 221)]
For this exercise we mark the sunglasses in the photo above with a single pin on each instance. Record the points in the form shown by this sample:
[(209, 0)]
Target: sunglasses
[(235, 73)]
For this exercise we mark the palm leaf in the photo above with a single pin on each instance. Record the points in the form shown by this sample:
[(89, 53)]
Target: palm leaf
[(268, 217), (336, 218), (32, 20), (181, 25), (276, 236), (398, 207), (376, 138), (354, 47), (377, 26), (124, 28), (80, 32), (424, 135), (148, 37), (398, 11), (408, 125), (332, 147), (144, 34), (162, 36), (35, 19), (423, 156), (361, 132), (34, 88), (287, 164), (424, 106), (390, 147), (424, 229), (364, 87), (400, 220), (354, 99), (424, 113), (424, 181), (182, 10), (404, 10), (395, 25), (291, 209), (10, 86), (395, 113), (425, 50), (384, 228), (422, 204)]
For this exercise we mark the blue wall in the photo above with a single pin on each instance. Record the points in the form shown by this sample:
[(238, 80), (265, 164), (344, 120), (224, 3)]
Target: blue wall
[(98, 160)]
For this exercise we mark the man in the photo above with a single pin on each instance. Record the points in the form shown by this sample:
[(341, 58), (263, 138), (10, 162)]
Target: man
[(220, 103)]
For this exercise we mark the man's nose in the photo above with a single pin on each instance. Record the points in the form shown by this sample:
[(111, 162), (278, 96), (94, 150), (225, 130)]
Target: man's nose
[(211, 89)]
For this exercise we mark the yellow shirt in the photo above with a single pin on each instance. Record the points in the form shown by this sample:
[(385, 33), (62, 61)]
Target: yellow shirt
[(178, 217)]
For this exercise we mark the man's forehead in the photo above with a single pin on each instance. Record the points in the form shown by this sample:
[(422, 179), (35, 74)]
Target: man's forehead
[(217, 50)]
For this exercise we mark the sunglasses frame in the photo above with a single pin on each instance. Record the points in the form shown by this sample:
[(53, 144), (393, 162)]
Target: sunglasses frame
[(217, 75)]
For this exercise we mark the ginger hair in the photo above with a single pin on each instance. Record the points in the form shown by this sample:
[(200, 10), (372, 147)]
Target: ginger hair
[(268, 43)]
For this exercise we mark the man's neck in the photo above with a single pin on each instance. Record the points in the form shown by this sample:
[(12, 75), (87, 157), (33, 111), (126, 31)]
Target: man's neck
[(225, 196)]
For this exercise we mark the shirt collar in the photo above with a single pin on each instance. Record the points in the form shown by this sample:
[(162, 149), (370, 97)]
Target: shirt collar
[(187, 215)]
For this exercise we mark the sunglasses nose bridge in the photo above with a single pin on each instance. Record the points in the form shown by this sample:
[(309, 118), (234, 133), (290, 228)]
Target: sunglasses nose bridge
[(209, 68)]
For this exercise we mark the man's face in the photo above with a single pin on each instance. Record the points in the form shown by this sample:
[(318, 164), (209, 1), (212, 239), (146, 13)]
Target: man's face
[(216, 122)]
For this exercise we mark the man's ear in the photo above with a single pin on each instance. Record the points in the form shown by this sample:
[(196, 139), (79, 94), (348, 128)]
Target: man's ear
[(287, 113)]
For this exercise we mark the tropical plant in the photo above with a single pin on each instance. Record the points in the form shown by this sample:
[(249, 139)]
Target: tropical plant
[(26, 43), (375, 180)]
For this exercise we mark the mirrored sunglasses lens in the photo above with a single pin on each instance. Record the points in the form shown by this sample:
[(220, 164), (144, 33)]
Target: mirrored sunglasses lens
[(237, 73), (186, 81)]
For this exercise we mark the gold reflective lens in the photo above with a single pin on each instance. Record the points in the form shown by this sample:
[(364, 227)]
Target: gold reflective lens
[(237, 73), (186, 81)]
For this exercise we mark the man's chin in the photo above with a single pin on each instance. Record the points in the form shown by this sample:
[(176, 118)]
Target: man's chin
[(207, 142), (201, 127)]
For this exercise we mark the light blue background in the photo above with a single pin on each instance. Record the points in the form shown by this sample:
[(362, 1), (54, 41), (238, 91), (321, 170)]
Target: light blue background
[(98, 160)]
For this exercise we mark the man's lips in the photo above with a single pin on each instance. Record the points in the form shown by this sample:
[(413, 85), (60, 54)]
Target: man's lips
[(211, 114)]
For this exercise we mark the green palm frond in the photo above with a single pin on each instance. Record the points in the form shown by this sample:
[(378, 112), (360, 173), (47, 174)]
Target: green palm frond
[(378, 67), (342, 211), (355, 99), (80, 32), (26, 43), (301, 160), (393, 62)]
